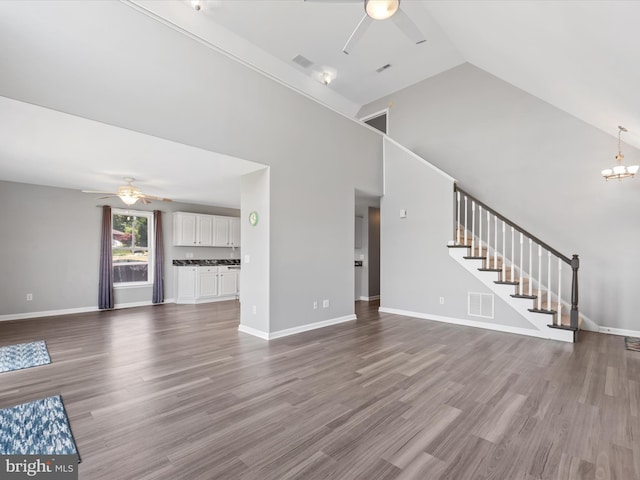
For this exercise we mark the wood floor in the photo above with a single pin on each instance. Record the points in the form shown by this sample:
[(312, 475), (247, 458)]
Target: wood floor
[(176, 392)]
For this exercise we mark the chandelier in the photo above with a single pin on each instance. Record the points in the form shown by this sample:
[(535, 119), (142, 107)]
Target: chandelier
[(619, 171)]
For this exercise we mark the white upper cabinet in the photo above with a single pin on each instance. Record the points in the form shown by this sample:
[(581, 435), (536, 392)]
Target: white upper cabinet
[(234, 232), (198, 230), (205, 229), (221, 228), (184, 229)]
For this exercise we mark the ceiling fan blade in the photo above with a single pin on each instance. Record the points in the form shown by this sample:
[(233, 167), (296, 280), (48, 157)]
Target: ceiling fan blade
[(145, 200), (406, 26), (151, 197), (357, 34), (98, 191), (108, 196)]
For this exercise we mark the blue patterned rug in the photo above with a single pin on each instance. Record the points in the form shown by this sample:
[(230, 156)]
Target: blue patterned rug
[(40, 427), (23, 355)]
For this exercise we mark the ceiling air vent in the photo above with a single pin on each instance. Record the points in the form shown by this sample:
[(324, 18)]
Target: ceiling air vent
[(302, 61), (383, 68)]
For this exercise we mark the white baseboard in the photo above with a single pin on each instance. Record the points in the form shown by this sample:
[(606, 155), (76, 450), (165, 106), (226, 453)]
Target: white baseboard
[(292, 331), (369, 299), (205, 300), (71, 311), (472, 323), (620, 331), (253, 331)]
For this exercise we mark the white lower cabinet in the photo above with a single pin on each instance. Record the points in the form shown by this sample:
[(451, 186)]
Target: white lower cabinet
[(207, 282), (200, 284)]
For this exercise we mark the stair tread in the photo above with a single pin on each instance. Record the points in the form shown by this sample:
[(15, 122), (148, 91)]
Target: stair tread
[(529, 297), (505, 282), (490, 269), (458, 246), (538, 310), (471, 257), (563, 327)]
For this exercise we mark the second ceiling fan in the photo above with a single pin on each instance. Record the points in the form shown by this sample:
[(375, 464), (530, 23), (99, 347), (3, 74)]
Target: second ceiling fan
[(383, 10)]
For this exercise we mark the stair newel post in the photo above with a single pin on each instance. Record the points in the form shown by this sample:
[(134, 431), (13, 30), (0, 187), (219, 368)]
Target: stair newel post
[(520, 286), (548, 280), (575, 265), (530, 267), (504, 250), (473, 228), (539, 277), (458, 224), (559, 314), (513, 256)]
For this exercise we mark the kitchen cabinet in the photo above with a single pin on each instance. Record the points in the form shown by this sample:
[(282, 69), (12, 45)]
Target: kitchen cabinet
[(234, 232), (199, 230), (184, 229), (221, 228), (204, 230), (187, 283), (228, 281), (200, 284), (207, 282)]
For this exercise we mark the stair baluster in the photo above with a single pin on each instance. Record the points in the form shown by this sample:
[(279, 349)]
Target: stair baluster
[(520, 285), (473, 228), (539, 277), (548, 281), (559, 314)]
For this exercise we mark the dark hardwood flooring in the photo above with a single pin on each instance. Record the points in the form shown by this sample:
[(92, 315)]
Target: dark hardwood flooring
[(176, 392)]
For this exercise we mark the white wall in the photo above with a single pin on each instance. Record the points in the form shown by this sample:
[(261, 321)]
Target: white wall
[(536, 165), (50, 247), (256, 273), (416, 269)]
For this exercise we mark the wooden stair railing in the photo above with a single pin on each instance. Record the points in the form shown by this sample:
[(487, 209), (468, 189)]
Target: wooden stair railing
[(511, 251)]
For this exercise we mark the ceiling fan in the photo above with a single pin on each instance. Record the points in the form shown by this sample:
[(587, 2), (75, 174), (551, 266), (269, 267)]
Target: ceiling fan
[(129, 193), (383, 10)]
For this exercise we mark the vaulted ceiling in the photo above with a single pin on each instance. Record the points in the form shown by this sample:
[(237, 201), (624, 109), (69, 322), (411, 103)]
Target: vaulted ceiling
[(578, 56)]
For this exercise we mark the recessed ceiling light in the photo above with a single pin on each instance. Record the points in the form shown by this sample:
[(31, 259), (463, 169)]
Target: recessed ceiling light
[(197, 5)]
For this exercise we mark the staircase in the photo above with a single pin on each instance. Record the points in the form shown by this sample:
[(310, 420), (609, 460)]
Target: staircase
[(525, 272)]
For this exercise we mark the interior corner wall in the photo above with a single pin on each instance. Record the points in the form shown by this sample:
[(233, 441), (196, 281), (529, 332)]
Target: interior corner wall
[(416, 269), (51, 248), (539, 167), (255, 239)]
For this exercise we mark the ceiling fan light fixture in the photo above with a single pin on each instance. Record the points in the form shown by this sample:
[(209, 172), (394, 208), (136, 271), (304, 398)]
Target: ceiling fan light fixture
[(128, 195), (381, 9)]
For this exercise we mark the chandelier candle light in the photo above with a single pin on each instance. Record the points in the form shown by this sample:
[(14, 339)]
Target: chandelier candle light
[(620, 171)]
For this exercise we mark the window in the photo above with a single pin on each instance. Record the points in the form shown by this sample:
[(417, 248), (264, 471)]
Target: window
[(131, 245)]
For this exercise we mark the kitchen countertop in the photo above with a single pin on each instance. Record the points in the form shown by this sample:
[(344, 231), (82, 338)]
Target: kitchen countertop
[(208, 263)]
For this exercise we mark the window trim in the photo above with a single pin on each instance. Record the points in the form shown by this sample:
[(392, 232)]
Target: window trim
[(150, 248)]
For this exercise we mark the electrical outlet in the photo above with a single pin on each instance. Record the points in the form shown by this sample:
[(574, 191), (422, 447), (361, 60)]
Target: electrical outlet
[(29, 297), (441, 300), (325, 304), (315, 305)]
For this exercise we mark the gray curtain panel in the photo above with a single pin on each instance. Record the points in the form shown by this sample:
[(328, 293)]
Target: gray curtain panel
[(105, 293), (158, 259)]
